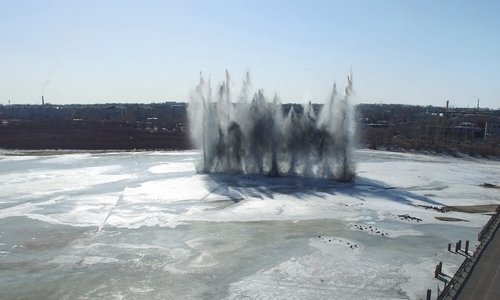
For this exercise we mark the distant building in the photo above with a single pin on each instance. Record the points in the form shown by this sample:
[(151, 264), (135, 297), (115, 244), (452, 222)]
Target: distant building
[(179, 111), (34, 112), (115, 112), (142, 112), (492, 128), (467, 130)]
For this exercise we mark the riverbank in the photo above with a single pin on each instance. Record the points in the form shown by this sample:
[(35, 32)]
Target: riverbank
[(77, 135)]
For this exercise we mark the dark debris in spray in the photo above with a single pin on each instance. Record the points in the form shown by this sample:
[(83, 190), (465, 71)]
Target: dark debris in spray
[(258, 137)]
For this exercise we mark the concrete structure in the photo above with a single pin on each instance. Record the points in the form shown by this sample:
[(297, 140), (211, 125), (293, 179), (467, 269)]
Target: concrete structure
[(492, 128)]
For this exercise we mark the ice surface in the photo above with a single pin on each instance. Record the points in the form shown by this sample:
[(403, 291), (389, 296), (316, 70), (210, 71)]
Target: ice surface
[(144, 225)]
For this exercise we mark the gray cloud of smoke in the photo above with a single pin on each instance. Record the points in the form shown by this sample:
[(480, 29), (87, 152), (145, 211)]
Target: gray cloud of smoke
[(47, 81)]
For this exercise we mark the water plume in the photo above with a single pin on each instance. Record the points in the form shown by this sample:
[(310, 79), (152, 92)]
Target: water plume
[(258, 136)]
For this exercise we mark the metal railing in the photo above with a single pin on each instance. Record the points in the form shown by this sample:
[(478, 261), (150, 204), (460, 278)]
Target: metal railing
[(447, 289), (486, 229), (458, 274)]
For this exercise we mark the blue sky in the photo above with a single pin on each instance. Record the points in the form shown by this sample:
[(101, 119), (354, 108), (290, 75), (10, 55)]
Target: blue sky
[(409, 52)]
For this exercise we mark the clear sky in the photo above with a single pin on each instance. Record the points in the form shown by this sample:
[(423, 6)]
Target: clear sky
[(411, 52)]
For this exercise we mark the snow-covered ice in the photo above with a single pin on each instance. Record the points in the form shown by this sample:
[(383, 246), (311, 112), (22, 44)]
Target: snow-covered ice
[(144, 225)]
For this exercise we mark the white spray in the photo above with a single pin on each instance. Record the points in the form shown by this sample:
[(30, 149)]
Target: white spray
[(258, 137)]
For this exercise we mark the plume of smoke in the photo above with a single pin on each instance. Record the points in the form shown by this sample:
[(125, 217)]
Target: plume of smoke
[(259, 137), (47, 81)]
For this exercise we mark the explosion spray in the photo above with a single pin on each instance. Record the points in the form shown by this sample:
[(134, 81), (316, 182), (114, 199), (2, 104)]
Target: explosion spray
[(258, 137)]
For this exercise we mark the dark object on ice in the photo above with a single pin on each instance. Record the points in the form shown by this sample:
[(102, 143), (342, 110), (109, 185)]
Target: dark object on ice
[(450, 219), (487, 208), (491, 186), (409, 218), (439, 209)]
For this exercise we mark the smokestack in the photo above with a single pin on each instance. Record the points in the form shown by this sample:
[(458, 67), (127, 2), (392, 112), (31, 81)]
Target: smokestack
[(447, 104), (43, 103), (477, 104)]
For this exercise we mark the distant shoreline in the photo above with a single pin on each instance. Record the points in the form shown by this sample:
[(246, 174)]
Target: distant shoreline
[(52, 152), (73, 136), (88, 136)]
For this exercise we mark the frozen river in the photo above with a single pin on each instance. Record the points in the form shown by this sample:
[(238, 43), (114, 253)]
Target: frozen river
[(144, 225)]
